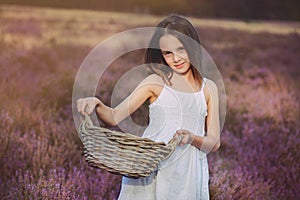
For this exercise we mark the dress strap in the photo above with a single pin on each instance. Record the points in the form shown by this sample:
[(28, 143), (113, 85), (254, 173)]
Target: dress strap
[(203, 83)]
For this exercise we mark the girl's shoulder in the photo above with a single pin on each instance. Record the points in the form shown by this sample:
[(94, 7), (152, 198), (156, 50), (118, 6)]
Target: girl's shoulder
[(210, 88), (209, 82)]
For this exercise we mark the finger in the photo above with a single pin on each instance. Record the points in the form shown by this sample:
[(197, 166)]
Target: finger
[(183, 139), (83, 113), (89, 110), (78, 105), (87, 107), (82, 107), (178, 133), (175, 136), (181, 132)]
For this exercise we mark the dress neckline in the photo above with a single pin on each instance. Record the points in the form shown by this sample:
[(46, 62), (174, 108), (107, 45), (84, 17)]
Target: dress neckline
[(182, 91), (197, 92), (166, 87)]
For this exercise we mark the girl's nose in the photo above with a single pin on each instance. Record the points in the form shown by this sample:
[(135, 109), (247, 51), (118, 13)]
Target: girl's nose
[(176, 57)]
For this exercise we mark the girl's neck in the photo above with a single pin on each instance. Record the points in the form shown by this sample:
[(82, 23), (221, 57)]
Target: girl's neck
[(185, 82)]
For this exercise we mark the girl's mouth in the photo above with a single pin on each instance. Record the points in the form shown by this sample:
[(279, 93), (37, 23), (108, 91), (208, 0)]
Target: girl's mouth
[(179, 66)]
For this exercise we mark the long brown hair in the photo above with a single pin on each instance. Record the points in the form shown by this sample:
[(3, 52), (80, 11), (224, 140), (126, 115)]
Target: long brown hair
[(176, 25)]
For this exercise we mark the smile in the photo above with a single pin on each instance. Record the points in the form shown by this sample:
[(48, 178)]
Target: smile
[(179, 65)]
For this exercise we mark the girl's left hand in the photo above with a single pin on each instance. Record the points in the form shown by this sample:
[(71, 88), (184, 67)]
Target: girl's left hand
[(187, 136)]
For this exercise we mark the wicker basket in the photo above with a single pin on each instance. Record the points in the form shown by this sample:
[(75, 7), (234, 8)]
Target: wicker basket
[(122, 153)]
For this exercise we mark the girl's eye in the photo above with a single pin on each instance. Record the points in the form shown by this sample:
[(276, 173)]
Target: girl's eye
[(181, 49), (167, 53)]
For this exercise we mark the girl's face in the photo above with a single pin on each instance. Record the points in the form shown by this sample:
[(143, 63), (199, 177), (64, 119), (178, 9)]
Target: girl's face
[(174, 54)]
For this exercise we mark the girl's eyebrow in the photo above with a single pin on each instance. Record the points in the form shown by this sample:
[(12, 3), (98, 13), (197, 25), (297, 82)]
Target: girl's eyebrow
[(167, 51), (180, 47)]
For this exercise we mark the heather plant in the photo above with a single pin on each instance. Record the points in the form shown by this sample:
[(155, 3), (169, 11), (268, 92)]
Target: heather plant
[(58, 183), (29, 27), (41, 154), (265, 152)]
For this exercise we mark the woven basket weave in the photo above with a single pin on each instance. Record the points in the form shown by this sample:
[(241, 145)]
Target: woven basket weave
[(122, 153)]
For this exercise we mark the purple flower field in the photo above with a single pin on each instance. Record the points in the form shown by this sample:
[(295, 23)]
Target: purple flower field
[(41, 154)]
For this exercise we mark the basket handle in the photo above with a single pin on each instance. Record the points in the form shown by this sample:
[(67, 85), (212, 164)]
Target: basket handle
[(86, 119), (173, 143), (176, 141)]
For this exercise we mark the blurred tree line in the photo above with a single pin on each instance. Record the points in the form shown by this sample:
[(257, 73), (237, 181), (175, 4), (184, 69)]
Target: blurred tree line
[(238, 9)]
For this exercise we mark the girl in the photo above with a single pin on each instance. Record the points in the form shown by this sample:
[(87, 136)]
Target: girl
[(182, 102)]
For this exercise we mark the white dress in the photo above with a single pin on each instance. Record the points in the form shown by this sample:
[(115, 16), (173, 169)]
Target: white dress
[(184, 175)]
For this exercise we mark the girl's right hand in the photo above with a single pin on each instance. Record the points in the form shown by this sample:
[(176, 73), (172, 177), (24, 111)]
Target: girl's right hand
[(87, 105)]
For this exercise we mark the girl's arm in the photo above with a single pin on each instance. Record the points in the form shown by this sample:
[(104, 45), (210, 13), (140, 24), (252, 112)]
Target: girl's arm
[(210, 142), (113, 116)]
